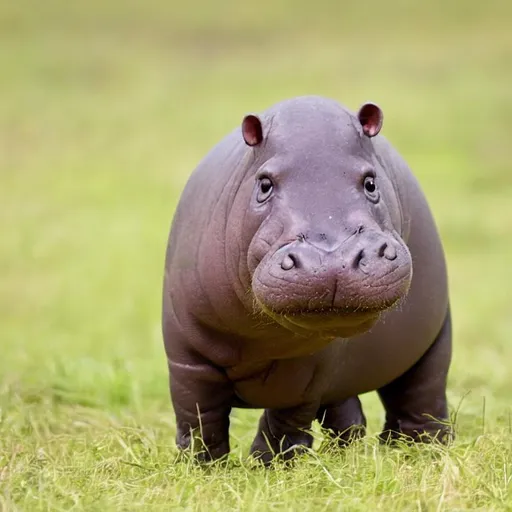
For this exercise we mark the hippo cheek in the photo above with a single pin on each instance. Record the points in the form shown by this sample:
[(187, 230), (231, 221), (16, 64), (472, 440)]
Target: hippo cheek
[(340, 291)]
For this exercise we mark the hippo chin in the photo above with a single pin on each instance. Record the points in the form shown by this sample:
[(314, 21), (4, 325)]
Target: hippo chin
[(303, 269)]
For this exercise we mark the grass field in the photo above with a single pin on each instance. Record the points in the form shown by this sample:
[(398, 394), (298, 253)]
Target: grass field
[(105, 108)]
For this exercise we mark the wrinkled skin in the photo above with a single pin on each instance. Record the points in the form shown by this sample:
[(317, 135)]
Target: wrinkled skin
[(303, 269)]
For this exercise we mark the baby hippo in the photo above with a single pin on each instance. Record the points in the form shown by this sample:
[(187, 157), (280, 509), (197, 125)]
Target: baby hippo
[(303, 269)]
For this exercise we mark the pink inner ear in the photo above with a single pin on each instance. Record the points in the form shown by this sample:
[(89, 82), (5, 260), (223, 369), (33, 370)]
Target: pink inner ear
[(371, 117), (252, 130)]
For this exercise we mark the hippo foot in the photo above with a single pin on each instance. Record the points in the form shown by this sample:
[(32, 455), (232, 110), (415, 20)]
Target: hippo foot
[(407, 432), (343, 439), (282, 436), (344, 422), (192, 446), (286, 449)]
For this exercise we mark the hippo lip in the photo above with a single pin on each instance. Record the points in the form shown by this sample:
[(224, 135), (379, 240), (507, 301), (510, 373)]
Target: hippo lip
[(332, 318), (341, 314), (331, 324), (336, 320)]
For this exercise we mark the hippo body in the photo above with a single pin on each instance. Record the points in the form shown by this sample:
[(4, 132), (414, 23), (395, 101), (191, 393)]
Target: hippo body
[(303, 269)]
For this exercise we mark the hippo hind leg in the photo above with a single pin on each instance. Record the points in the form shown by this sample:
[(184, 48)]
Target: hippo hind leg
[(344, 420), (415, 403), (284, 433)]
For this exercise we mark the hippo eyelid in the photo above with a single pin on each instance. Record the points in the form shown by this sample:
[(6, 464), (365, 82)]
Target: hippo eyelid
[(264, 174), (368, 173)]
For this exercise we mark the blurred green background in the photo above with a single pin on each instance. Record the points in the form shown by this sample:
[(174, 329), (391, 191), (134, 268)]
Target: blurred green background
[(107, 106)]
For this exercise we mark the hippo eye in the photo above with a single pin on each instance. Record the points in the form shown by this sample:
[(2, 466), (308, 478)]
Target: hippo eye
[(371, 189), (369, 185), (265, 189)]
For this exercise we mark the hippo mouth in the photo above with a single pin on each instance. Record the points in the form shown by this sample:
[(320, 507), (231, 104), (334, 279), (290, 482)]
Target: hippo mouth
[(334, 321), (331, 317)]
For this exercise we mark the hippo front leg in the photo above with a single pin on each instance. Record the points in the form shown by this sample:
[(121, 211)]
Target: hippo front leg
[(282, 433), (202, 398), (415, 403)]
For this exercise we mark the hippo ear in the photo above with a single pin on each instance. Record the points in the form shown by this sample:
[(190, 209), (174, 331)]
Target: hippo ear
[(252, 130), (371, 117)]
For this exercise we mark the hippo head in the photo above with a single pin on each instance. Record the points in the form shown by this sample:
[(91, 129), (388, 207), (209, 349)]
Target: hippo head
[(326, 254)]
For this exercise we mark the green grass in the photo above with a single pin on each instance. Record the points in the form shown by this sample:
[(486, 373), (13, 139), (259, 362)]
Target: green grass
[(105, 108)]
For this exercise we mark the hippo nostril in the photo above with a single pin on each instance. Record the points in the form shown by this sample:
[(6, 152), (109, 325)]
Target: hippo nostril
[(289, 261), (387, 251), (358, 259)]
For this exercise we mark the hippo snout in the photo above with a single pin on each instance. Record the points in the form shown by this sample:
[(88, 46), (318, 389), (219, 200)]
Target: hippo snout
[(303, 255), (369, 272)]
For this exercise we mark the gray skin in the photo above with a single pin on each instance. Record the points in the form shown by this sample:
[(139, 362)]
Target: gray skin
[(303, 269)]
